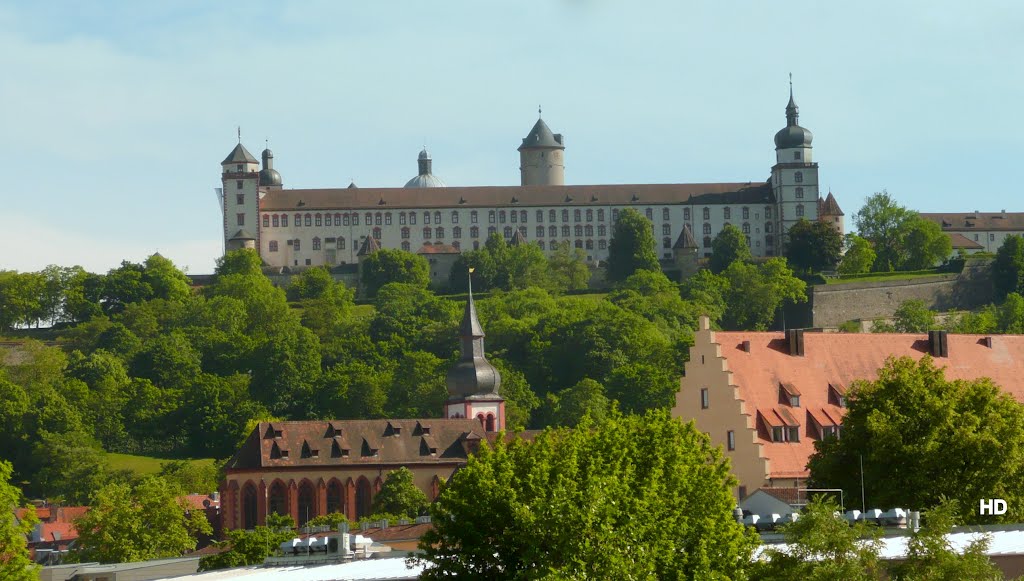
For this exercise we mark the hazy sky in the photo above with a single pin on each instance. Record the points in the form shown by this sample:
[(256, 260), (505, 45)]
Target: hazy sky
[(115, 115)]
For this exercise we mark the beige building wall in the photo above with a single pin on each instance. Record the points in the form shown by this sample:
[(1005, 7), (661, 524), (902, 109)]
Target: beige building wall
[(725, 411), (542, 167)]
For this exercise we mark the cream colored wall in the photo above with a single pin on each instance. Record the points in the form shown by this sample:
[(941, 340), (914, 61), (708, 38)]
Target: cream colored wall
[(542, 167), (708, 369)]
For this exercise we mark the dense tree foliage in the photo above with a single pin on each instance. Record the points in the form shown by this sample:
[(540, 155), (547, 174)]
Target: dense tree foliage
[(399, 495), (729, 246), (822, 546), (128, 523), (900, 237), (635, 497), (15, 564), (1008, 267), (245, 548), (813, 246), (859, 256), (502, 266), (391, 265), (931, 556), (911, 316), (961, 440), (746, 296), (632, 246)]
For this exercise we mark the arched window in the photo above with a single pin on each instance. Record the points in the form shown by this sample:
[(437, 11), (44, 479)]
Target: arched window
[(266, 221), (600, 215), (473, 217), (426, 217), (590, 244), (602, 244), (579, 244), (590, 215), (335, 497), (665, 214), (337, 219), (369, 218), (541, 243), (666, 242), (540, 215), (686, 214), (707, 242), (377, 218), (364, 496), (666, 229), (579, 230), (341, 243), (602, 230), (345, 219), (250, 507), (437, 217), (457, 232), (501, 217), (746, 228), (355, 219), (552, 230), (565, 231), (491, 230), (427, 232), (727, 213), (799, 209), (707, 228), (316, 243), (707, 213), (565, 215), (514, 216), (284, 220), (589, 229), (522, 216), (439, 232), (474, 232), (551, 215), (800, 192), (401, 218), (455, 217), (798, 177), (412, 218), (492, 216), (405, 245), (273, 245), (540, 231), (576, 215), (295, 244), (746, 213), (405, 232), (319, 220), (278, 498), (376, 233), (649, 213), (307, 503), (309, 220), (489, 423), (298, 220), (508, 232)]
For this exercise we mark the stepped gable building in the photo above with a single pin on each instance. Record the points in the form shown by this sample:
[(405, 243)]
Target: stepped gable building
[(766, 397), (310, 227), (979, 231), (311, 468)]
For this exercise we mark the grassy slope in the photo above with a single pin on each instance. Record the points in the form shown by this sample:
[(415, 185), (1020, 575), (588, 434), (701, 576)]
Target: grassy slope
[(143, 464), (880, 277)]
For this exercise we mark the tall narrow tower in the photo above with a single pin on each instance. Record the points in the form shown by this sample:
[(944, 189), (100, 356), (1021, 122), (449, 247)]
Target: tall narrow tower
[(795, 174), (240, 178), (473, 383), (541, 157)]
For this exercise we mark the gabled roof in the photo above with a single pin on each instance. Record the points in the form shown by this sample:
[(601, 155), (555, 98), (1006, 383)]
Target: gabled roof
[(438, 249), (517, 238), (831, 207), (239, 155), (978, 221), (370, 245), (685, 240), (960, 241)]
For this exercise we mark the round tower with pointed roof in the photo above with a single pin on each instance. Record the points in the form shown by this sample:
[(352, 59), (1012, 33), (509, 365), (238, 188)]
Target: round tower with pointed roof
[(542, 156), (473, 383)]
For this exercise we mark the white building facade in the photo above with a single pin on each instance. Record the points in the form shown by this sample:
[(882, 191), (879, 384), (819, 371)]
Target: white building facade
[(312, 227)]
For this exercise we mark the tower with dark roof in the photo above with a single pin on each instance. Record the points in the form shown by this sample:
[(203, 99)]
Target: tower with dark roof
[(269, 177), (794, 175), (240, 199), (425, 179), (473, 383), (684, 253), (542, 157)]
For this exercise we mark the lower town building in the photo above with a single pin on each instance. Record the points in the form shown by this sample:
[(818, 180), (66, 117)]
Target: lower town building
[(766, 397), (988, 230)]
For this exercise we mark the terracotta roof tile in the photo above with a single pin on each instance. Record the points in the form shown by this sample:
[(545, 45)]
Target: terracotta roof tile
[(439, 249), (837, 360), (961, 241), (69, 513), (57, 531), (200, 501)]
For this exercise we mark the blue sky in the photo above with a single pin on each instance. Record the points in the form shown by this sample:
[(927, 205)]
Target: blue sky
[(115, 115)]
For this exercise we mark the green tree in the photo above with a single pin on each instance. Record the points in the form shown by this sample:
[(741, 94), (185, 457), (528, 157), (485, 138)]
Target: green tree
[(926, 245), (813, 246), (586, 398), (961, 440), (399, 495), (912, 316), (639, 387), (15, 564), (526, 266), (19, 298), (1008, 267), (633, 497), (728, 246), (245, 548), (391, 265), (822, 546), (631, 247), (125, 285), (568, 267), (166, 280), (191, 477), (136, 523), (708, 292), (859, 255), (757, 292), (242, 261), (884, 223), (68, 466), (930, 555), (311, 283)]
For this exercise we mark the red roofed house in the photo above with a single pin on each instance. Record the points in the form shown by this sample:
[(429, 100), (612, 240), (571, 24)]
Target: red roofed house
[(766, 397)]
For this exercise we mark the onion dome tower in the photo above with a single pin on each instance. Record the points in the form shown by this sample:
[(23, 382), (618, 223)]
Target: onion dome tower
[(794, 176), (425, 179), (268, 175), (473, 383)]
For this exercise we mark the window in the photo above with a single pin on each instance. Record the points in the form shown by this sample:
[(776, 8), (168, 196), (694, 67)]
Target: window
[(552, 231), (474, 232), (686, 214), (796, 155), (727, 213), (615, 215), (455, 217), (975, 237), (600, 215), (266, 221), (602, 244), (327, 220), (240, 199), (577, 215), (492, 217), (345, 218), (551, 215), (767, 212), (387, 219), (341, 243), (284, 220), (565, 215), (768, 239), (522, 230), (316, 243), (439, 232), (565, 231), (707, 213), (578, 230), (277, 221), (602, 230), (401, 218), (376, 233), (589, 229), (707, 229), (590, 244), (778, 434), (666, 229), (426, 217), (437, 217), (273, 245), (590, 215), (730, 440), (296, 244), (649, 213), (491, 230), (241, 219), (540, 231), (705, 398), (799, 209), (666, 242), (405, 233), (768, 227), (794, 433), (238, 167), (309, 219), (991, 237), (748, 241), (746, 213), (405, 245), (369, 218), (578, 244), (800, 192), (541, 243), (427, 232), (540, 215), (746, 228), (457, 232), (238, 185), (707, 242), (665, 214), (476, 245), (829, 432), (798, 177), (412, 218), (320, 220), (522, 216), (508, 232), (514, 217)]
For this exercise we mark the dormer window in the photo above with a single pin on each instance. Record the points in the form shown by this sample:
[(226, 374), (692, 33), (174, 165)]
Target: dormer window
[(837, 395), (778, 434), (789, 395), (830, 432)]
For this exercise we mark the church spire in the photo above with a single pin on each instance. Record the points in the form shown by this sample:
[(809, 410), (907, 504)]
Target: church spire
[(792, 111)]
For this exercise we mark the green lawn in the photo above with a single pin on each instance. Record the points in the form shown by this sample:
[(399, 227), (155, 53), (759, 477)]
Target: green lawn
[(880, 277), (143, 464)]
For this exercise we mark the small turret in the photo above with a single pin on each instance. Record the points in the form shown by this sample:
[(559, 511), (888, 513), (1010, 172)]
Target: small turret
[(268, 175), (541, 156), (425, 179)]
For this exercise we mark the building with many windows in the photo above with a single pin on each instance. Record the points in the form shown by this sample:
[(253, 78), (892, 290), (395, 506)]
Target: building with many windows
[(309, 227)]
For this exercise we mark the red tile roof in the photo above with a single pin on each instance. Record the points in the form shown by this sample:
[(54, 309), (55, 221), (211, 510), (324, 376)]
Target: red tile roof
[(438, 249), (839, 359), (69, 513), (961, 241), (57, 531), (396, 532), (200, 501)]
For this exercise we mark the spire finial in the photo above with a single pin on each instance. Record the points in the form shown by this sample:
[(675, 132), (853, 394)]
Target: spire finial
[(791, 85), (539, 112), (266, 143), (239, 128), (469, 275)]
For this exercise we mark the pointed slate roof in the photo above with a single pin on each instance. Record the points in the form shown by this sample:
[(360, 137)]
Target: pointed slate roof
[(517, 238), (831, 206), (370, 245), (541, 136), (472, 376), (352, 185), (242, 235), (685, 240), (239, 155), (470, 327)]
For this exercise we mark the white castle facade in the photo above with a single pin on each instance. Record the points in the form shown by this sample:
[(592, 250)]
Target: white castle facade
[(312, 227)]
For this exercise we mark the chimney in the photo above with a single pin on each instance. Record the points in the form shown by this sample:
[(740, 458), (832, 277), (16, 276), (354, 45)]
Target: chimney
[(938, 343), (795, 338)]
